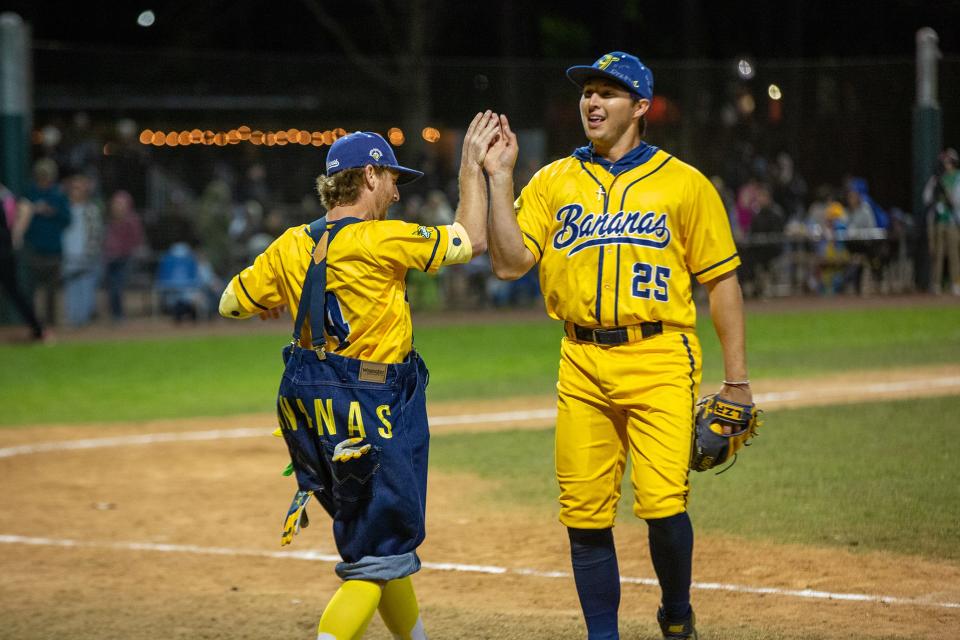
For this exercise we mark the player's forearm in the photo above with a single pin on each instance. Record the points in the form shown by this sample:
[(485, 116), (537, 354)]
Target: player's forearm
[(726, 310), (509, 257), (472, 208)]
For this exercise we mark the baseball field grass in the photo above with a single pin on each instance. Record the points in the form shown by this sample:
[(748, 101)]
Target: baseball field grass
[(874, 476), (235, 374)]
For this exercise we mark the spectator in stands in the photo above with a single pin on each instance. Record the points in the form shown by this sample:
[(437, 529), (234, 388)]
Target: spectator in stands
[(789, 188), (833, 258), (179, 283), (43, 248), (13, 220), (941, 195), (863, 249), (816, 220), (186, 284), (747, 206), (859, 212), (865, 238), (880, 216), (124, 236), (815, 225), (82, 244), (766, 241)]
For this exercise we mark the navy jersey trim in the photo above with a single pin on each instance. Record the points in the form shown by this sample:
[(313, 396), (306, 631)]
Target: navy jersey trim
[(534, 241), (249, 297), (715, 265), (436, 246), (616, 292), (599, 285), (623, 201), (693, 368)]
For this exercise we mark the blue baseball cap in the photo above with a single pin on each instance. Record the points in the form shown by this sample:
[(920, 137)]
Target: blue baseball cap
[(622, 68), (360, 148)]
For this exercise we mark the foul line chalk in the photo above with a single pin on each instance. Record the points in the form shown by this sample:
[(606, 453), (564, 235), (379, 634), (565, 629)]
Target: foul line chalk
[(252, 432), (315, 556), (879, 388)]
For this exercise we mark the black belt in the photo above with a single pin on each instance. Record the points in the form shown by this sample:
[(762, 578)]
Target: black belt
[(614, 335)]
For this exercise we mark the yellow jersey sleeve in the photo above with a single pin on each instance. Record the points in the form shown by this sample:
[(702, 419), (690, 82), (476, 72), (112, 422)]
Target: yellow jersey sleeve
[(406, 245), (710, 249), (276, 275), (459, 248), (534, 216)]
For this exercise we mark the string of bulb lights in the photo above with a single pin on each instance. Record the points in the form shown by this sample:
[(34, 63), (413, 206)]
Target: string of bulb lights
[(279, 138)]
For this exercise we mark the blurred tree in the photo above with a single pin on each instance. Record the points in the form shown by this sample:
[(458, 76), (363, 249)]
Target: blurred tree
[(564, 38), (408, 42)]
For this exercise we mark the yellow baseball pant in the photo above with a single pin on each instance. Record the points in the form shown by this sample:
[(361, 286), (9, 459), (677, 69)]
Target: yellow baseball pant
[(637, 397)]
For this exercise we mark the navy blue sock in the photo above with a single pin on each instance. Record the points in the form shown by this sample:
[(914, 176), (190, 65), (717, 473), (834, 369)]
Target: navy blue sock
[(671, 548), (597, 576)]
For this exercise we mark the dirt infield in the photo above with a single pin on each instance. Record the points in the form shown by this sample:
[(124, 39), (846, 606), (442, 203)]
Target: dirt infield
[(178, 538)]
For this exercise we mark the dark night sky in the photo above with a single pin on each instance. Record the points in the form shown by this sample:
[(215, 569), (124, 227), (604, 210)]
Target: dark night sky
[(655, 30)]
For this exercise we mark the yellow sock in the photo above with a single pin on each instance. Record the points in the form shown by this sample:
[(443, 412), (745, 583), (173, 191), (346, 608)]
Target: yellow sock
[(349, 611), (399, 610)]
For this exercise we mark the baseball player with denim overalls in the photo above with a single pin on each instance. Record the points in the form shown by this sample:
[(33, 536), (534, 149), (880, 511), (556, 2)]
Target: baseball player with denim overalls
[(351, 404)]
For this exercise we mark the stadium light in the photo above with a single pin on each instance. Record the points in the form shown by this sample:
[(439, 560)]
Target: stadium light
[(146, 18), (774, 92), (745, 69), (430, 134)]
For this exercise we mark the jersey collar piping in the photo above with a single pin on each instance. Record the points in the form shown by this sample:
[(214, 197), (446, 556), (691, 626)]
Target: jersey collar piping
[(634, 158)]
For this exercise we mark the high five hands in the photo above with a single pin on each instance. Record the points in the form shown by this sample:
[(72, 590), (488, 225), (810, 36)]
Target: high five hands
[(490, 143), (480, 137), (502, 154)]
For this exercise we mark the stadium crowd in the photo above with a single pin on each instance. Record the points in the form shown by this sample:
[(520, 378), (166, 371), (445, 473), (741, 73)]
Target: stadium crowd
[(105, 214)]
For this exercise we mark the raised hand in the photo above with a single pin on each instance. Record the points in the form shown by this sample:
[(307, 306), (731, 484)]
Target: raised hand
[(480, 136), (502, 155)]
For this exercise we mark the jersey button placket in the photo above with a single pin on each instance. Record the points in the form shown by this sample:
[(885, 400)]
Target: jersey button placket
[(608, 275)]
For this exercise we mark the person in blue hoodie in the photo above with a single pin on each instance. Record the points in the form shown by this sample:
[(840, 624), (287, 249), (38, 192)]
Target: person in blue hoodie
[(178, 282)]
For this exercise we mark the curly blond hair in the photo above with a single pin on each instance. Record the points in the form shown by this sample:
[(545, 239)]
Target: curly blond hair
[(342, 188)]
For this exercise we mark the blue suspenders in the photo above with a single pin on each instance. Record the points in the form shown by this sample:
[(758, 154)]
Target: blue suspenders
[(313, 297)]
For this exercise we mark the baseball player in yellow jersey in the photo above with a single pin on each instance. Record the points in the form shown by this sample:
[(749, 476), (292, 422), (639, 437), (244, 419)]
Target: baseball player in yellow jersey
[(618, 229), (351, 404)]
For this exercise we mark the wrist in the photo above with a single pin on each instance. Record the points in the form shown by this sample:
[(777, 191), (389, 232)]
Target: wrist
[(501, 177)]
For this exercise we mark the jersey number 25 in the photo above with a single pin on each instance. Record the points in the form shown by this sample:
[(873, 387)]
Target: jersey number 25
[(650, 279)]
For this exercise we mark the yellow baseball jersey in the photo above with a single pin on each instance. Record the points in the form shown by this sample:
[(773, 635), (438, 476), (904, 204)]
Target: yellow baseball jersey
[(617, 250), (368, 316)]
